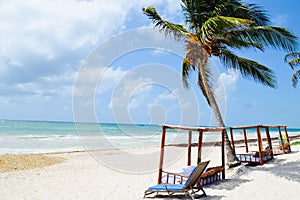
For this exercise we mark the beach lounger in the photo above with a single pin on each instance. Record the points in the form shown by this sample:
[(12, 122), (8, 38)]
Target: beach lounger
[(254, 157), (278, 149), (188, 188), (179, 176)]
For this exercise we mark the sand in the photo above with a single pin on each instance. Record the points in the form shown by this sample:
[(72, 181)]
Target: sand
[(26, 161), (126, 174)]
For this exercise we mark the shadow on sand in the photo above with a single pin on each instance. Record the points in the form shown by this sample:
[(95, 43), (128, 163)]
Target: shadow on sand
[(227, 184), (279, 167), (282, 169)]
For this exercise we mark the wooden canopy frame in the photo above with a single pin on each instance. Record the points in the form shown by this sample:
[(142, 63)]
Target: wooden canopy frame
[(190, 130), (285, 146), (263, 155)]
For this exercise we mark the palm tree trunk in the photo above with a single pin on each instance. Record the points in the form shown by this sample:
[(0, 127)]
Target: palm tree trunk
[(232, 160)]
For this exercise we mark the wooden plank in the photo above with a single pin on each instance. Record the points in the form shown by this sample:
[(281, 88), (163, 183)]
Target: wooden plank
[(188, 128), (161, 158), (223, 153), (242, 127), (189, 148), (232, 140), (281, 140), (287, 138), (259, 140), (245, 140), (199, 146), (269, 140)]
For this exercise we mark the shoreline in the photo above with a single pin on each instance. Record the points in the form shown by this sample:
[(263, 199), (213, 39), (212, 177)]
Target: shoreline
[(81, 176), (16, 162), (204, 144)]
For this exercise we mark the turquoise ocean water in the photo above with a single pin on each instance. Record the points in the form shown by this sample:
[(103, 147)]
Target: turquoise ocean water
[(43, 137)]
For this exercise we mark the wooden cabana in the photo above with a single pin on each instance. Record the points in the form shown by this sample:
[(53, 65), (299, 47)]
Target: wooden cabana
[(283, 145), (212, 174), (261, 156)]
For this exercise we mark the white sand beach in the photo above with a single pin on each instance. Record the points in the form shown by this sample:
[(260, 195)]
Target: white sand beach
[(108, 175)]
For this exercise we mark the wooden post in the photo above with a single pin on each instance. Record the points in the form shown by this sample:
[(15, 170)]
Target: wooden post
[(232, 141), (287, 138), (161, 159), (245, 140), (281, 140), (223, 153), (259, 145), (269, 140), (189, 148), (199, 146)]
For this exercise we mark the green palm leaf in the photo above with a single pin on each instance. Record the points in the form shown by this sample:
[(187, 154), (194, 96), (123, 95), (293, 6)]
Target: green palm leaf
[(177, 30), (187, 67), (268, 36), (249, 68), (219, 25), (295, 78), (294, 59)]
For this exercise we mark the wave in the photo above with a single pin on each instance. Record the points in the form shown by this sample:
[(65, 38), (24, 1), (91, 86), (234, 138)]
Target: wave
[(47, 137)]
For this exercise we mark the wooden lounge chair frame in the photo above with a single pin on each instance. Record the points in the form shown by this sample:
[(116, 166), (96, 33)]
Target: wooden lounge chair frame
[(208, 176), (188, 188), (261, 156)]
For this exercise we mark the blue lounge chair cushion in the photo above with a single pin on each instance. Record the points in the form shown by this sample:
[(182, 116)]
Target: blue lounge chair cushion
[(168, 187)]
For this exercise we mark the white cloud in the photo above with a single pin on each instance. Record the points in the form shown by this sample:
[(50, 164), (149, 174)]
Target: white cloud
[(111, 77), (280, 20), (166, 96), (226, 84), (130, 93), (43, 45), (52, 27), (227, 81)]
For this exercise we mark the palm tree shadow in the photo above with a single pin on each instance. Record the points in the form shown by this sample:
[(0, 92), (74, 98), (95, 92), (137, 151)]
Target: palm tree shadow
[(227, 184), (287, 170)]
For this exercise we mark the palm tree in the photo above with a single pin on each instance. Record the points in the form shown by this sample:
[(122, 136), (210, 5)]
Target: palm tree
[(217, 28), (294, 60)]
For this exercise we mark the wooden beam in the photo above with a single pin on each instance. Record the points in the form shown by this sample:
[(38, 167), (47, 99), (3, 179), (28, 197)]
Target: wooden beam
[(199, 146), (268, 136), (259, 145), (189, 128), (269, 140), (242, 127), (223, 153), (287, 138), (245, 140), (161, 158), (189, 148), (281, 140), (232, 141)]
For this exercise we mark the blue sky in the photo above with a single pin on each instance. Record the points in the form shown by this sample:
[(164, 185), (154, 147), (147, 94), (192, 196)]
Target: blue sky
[(53, 56)]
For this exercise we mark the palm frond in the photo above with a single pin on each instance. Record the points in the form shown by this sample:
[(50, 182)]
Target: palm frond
[(295, 78), (291, 55), (249, 68), (293, 59), (219, 25), (168, 28), (187, 67), (255, 13), (294, 62), (238, 9), (268, 36), (188, 8), (239, 43)]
